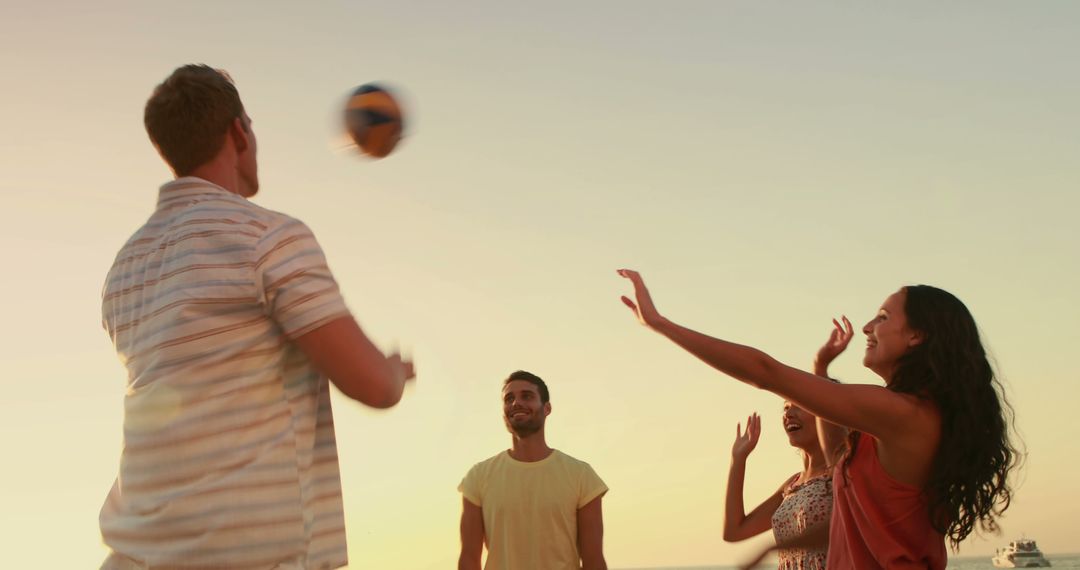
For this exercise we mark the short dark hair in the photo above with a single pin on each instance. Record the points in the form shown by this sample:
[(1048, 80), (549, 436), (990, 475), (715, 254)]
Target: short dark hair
[(189, 114), (533, 379)]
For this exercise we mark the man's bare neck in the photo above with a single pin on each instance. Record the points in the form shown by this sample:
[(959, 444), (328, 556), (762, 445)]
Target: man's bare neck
[(220, 174), (530, 448)]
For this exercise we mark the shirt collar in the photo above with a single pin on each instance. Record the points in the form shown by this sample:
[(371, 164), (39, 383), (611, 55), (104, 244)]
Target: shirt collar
[(188, 187)]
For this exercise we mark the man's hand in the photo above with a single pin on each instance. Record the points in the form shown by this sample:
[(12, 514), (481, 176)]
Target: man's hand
[(340, 350)]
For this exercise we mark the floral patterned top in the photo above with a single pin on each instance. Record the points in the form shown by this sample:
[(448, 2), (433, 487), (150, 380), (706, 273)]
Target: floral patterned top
[(805, 505)]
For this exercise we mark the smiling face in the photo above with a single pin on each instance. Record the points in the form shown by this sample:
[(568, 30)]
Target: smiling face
[(801, 427), (523, 411), (888, 336)]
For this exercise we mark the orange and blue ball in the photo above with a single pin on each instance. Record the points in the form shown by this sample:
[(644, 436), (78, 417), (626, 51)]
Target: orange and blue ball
[(373, 119)]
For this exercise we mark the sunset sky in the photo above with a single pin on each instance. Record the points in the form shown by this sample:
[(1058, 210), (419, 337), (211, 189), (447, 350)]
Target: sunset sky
[(766, 165)]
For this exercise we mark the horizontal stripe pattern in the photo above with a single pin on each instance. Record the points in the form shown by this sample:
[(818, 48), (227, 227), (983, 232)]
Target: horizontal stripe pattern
[(229, 456)]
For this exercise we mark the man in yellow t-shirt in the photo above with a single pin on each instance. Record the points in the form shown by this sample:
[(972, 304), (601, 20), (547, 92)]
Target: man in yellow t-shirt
[(533, 506)]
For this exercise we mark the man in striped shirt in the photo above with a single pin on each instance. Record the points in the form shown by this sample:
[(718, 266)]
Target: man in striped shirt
[(230, 325)]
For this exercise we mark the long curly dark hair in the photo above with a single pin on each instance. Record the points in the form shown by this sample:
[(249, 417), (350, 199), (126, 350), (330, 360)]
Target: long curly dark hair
[(968, 478)]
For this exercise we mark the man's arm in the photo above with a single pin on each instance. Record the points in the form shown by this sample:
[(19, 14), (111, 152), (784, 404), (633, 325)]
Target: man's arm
[(343, 352), (590, 525), (300, 294), (472, 536)]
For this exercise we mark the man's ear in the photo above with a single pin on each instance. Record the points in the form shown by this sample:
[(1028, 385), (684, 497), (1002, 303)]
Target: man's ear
[(547, 409), (239, 134)]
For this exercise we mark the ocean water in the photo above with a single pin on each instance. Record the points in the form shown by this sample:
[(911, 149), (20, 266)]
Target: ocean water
[(983, 563), (963, 563)]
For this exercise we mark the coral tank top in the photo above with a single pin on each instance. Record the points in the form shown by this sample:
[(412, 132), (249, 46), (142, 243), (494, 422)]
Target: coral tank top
[(879, 522)]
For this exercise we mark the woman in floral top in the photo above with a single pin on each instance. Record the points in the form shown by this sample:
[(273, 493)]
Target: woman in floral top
[(802, 506)]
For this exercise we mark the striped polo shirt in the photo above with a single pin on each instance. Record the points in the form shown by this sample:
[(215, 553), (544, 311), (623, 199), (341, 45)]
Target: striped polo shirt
[(229, 456)]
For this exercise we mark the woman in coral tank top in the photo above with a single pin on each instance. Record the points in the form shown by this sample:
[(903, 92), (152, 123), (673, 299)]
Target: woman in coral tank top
[(926, 456)]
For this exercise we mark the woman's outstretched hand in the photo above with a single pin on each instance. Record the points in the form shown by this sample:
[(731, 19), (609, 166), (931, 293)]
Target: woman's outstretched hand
[(643, 305), (746, 441), (838, 341)]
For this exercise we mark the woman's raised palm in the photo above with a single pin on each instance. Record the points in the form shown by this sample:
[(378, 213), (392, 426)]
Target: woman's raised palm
[(746, 441)]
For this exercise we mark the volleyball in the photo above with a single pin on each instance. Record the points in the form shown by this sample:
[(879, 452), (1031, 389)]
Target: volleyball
[(373, 120)]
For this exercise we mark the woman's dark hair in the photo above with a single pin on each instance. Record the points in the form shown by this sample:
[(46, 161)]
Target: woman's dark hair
[(968, 478)]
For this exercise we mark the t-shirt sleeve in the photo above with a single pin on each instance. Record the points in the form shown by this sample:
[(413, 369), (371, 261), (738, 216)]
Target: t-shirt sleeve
[(592, 486), (470, 486), (297, 288)]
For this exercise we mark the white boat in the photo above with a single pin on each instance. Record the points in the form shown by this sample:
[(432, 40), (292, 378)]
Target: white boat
[(1023, 553)]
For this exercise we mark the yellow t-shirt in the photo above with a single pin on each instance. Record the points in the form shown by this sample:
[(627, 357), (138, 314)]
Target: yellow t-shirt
[(530, 509)]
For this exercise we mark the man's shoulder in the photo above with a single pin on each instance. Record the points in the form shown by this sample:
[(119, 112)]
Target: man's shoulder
[(269, 228), (264, 217), (491, 461), (591, 484), (570, 460), (193, 204), (483, 470)]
